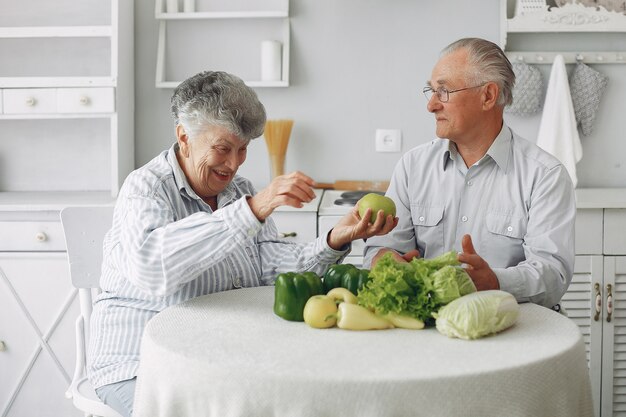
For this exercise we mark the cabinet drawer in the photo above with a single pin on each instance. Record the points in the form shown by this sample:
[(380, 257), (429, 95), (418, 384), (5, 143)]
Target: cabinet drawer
[(615, 231), (29, 100), (299, 227), (86, 100), (587, 240), (31, 236), (1, 102)]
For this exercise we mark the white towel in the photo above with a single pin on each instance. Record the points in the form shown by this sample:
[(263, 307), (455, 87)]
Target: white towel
[(558, 133)]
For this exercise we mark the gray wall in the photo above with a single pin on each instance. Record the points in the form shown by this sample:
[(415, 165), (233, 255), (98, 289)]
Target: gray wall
[(359, 65)]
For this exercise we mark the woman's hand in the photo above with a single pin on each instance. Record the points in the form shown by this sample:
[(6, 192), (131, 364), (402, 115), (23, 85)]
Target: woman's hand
[(292, 189), (352, 227)]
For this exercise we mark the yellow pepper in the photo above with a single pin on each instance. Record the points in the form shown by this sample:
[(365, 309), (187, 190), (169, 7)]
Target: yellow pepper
[(318, 312), (341, 294), (355, 317)]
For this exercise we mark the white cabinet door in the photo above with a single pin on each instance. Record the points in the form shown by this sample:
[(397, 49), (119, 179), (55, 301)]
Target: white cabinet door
[(300, 227), (37, 312), (614, 338), (580, 304)]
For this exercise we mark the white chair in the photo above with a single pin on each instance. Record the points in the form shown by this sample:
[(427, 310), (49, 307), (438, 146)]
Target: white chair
[(84, 229)]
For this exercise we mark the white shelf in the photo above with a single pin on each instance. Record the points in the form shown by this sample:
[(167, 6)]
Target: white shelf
[(224, 15), (41, 82), (55, 31), (568, 18), (161, 79)]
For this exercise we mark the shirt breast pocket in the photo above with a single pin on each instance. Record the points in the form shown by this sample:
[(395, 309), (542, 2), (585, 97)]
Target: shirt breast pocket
[(428, 225), (502, 246)]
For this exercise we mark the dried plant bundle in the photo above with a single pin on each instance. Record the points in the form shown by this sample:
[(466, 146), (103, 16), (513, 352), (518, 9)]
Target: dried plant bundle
[(277, 133)]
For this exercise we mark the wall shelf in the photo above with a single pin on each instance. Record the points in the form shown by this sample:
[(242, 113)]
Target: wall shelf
[(537, 17), (280, 14), (55, 31)]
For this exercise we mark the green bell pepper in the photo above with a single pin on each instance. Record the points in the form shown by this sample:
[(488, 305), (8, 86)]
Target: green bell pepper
[(291, 292), (345, 276)]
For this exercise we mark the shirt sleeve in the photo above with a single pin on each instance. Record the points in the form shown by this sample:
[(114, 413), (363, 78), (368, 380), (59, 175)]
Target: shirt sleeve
[(161, 253), (545, 274)]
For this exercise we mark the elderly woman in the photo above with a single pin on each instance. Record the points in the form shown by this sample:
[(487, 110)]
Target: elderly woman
[(186, 225)]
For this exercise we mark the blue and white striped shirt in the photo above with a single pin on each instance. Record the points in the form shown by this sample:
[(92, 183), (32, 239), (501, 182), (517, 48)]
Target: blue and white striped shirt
[(167, 246)]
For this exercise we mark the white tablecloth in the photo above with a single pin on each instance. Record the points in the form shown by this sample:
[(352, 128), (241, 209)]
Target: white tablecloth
[(227, 354)]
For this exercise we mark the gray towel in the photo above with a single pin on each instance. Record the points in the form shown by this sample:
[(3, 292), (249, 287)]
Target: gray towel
[(528, 90), (587, 86)]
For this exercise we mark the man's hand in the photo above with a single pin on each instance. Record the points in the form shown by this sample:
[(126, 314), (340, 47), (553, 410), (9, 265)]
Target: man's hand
[(352, 227), (407, 257), (476, 267), (292, 189)]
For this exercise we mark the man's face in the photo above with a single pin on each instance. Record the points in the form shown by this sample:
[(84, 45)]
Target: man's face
[(211, 160), (456, 117)]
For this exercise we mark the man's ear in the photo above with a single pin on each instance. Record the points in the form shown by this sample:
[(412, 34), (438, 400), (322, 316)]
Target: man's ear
[(490, 95), (183, 140)]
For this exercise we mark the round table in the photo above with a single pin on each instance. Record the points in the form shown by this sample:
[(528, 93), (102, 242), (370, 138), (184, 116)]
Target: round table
[(227, 354)]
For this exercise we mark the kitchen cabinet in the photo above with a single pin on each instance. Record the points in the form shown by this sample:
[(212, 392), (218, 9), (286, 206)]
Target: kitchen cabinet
[(298, 224), (66, 95), (232, 32), (38, 304), (596, 297)]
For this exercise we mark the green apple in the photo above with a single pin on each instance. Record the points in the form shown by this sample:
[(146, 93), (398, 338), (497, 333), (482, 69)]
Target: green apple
[(376, 202)]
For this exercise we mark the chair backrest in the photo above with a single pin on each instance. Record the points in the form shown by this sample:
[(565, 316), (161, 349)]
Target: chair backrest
[(84, 229)]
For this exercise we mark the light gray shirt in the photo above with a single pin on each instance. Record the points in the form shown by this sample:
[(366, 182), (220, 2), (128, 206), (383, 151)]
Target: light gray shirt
[(166, 246), (517, 203)]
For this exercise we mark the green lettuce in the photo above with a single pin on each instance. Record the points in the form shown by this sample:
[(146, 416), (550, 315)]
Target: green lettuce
[(417, 288)]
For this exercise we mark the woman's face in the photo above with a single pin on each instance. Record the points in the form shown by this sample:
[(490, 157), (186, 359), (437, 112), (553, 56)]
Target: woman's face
[(210, 160)]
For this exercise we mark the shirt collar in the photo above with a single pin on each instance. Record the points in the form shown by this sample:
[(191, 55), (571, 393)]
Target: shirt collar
[(223, 198), (499, 150)]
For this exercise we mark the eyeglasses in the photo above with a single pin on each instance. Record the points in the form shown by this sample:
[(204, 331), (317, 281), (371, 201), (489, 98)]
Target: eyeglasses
[(442, 93)]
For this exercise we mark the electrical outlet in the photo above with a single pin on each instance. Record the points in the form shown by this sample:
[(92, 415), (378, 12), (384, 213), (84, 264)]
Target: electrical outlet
[(388, 140)]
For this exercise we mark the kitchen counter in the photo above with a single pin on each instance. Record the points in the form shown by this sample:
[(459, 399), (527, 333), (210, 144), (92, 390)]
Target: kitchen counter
[(592, 198)]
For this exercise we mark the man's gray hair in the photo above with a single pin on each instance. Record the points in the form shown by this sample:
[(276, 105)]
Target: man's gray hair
[(488, 63), (218, 98)]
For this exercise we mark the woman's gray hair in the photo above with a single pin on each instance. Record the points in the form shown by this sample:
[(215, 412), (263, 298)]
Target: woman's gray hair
[(488, 63), (218, 98)]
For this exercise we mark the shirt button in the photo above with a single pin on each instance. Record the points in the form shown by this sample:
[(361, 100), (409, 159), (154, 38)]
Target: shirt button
[(421, 218), (469, 183), (510, 228), (464, 218)]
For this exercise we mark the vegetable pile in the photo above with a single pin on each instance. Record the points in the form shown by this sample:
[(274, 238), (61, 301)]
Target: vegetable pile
[(416, 289), (392, 294)]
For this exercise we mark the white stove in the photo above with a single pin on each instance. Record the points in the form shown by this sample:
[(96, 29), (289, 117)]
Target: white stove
[(334, 205)]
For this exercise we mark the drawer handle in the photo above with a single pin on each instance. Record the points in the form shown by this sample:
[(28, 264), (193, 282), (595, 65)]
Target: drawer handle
[(31, 101), (3, 346), (41, 237), (84, 100), (289, 234), (609, 302), (598, 307)]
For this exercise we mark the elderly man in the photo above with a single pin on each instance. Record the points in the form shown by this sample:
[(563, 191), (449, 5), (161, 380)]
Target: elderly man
[(186, 224), (480, 188)]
